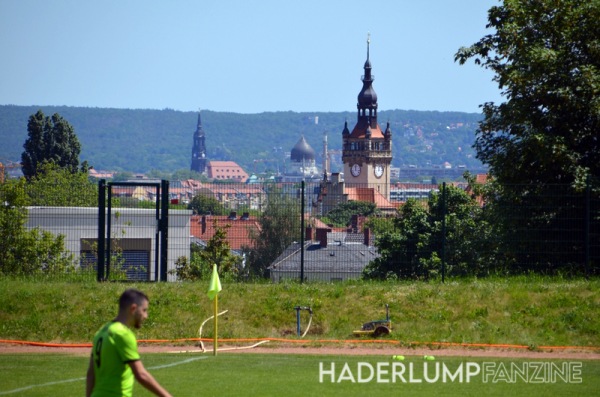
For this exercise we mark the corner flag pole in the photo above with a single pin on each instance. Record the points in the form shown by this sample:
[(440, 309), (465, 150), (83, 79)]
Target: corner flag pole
[(215, 319), (213, 293)]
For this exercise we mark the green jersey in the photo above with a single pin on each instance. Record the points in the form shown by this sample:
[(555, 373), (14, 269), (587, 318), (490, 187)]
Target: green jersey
[(114, 347)]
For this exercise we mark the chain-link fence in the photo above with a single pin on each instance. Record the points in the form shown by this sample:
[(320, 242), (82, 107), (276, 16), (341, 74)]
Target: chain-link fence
[(321, 230)]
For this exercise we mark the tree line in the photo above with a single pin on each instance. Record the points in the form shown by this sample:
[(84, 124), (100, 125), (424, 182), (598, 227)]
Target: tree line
[(144, 141)]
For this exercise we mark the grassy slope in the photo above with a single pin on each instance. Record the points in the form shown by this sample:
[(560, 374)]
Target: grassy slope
[(533, 312)]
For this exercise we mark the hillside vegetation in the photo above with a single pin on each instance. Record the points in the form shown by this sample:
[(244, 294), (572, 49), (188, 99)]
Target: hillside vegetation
[(141, 140), (526, 311)]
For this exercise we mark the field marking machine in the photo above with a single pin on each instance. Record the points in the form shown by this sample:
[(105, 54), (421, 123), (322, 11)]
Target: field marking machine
[(376, 328)]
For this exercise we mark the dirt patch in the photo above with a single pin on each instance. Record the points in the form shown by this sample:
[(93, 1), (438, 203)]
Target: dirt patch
[(342, 350)]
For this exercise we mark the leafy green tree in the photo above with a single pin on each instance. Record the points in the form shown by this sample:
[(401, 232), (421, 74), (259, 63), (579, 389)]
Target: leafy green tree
[(204, 203), (50, 140), (123, 176), (545, 57), (183, 174), (27, 252), (414, 249), (341, 215), (465, 237), (55, 186), (380, 225), (541, 143), (279, 227), (401, 249), (157, 174), (217, 251)]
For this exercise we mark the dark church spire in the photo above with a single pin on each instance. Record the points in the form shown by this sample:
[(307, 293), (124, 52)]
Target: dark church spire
[(367, 97), (199, 149)]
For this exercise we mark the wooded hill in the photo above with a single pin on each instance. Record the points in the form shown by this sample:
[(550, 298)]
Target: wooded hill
[(140, 140)]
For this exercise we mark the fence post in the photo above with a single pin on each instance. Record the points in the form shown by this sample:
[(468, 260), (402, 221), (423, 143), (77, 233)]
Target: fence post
[(587, 227), (302, 235), (101, 242), (157, 234), (443, 250), (164, 241), (108, 233)]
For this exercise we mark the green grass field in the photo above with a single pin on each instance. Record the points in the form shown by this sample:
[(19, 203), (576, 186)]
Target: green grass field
[(231, 374), (530, 311)]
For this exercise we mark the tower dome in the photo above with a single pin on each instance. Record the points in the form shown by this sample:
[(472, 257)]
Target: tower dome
[(367, 97), (302, 151)]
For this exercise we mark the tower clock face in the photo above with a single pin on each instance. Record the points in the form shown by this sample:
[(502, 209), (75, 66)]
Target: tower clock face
[(378, 169), (355, 170)]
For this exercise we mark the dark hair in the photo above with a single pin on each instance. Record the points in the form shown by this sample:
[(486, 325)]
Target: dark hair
[(130, 297)]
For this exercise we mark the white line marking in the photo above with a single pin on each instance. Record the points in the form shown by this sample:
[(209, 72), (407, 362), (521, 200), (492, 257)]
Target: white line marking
[(80, 379), (178, 363), (41, 385)]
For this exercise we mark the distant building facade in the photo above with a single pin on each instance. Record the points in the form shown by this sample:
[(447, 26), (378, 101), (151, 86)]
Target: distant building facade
[(226, 170)]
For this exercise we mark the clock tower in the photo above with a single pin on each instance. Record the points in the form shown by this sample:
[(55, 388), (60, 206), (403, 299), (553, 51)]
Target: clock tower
[(367, 150)]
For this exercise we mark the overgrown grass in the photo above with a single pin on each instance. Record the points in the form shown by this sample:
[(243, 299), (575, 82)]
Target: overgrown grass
[(528, 311)]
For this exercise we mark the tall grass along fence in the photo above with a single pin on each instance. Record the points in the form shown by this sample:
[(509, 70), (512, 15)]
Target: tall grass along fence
[(308, 231)]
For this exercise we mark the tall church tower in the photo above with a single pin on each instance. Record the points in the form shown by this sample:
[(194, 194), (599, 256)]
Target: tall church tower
[(367, 151), (199, 149)]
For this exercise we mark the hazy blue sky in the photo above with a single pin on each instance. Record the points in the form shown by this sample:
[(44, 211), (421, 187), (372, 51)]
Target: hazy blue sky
[(245, 56)]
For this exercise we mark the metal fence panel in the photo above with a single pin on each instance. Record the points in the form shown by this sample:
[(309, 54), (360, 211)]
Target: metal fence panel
[(263, 222)]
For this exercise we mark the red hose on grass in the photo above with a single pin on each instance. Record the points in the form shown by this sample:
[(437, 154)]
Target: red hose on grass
[(308, 341)]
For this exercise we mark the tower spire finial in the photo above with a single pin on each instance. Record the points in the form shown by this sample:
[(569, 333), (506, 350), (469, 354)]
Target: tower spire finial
[(368, 43)]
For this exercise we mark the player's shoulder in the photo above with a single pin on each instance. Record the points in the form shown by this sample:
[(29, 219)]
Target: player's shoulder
[(104, 329), (113, 328), (118, 328)]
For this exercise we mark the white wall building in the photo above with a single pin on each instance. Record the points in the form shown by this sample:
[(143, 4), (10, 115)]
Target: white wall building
[(134, 230)]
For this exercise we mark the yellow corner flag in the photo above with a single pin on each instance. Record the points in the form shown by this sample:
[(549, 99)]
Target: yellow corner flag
[(215, 284), (213, 293)]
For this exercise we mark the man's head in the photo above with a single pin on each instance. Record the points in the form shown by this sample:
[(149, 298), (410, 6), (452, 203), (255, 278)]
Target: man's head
[(133, 304)]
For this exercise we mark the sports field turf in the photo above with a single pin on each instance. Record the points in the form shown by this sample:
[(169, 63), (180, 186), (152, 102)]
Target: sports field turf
[(231, 374)]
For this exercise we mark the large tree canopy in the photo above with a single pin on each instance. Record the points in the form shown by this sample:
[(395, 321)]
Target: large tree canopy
[(546, 58), (205, 203), (55, 186), (542, 142), (342, 214), (50, 140), (22, 250), (415, 246)]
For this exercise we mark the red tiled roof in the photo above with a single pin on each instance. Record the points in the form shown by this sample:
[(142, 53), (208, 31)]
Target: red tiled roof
[(369, 195), (225, 170), (238, 232), (481, 178), (100, 174), (360, 130), (191, 184)]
